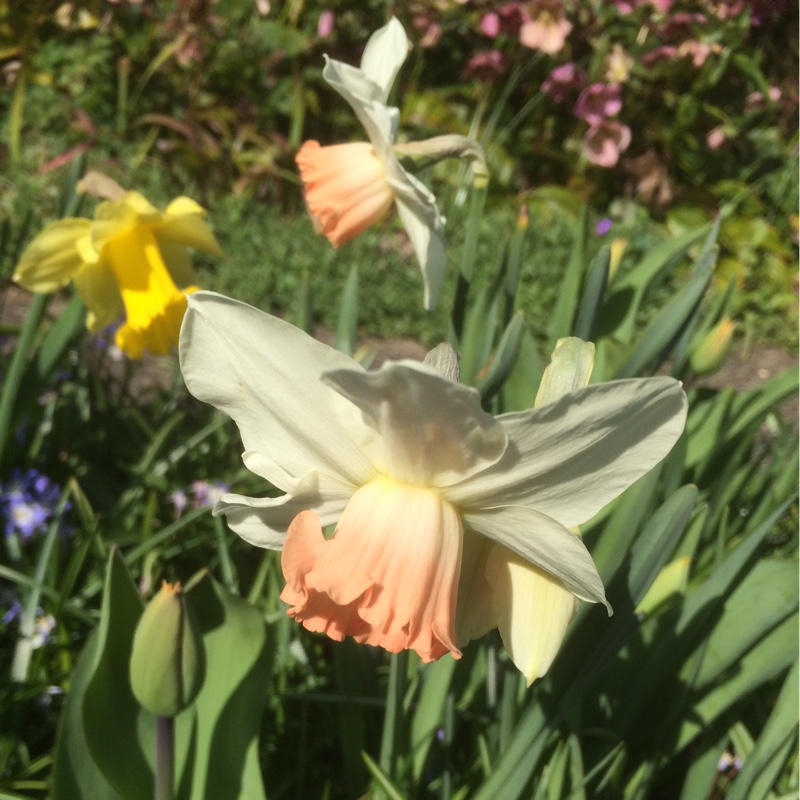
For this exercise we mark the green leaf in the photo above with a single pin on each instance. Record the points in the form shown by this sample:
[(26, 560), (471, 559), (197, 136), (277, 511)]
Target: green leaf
[(382, 779), (621, 308), (76, 776), (561, 320), (593, 294), (765, 762), (347, 327), (655, 343), (223, 728), (429, 712), (505, 357), (117, 730)]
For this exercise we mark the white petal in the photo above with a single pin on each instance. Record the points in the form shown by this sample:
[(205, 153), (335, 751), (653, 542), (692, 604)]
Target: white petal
[(266, 375), (263, 521), (570, 458), (544, 543), (384, 54), (432, 431), (424, 226), (365, 98)]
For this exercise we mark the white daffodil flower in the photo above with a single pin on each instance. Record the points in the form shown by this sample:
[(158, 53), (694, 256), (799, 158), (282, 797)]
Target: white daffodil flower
[(418, 479), (351, 186)]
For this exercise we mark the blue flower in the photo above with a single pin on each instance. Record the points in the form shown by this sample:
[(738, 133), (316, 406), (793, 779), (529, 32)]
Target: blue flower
[(27, 502)]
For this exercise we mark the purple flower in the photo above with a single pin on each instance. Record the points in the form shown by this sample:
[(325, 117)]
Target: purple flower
[(603, 226), (27, 502)]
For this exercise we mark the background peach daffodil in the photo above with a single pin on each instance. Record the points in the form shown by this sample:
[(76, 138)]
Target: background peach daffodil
[(421, 483), (131, 260), (351, 186)]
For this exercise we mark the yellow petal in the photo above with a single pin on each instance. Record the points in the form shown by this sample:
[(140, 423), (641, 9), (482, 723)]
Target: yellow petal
[(116, 217), (184, 224), (51, 260), (154, 306), (97, 287), (532, 610)]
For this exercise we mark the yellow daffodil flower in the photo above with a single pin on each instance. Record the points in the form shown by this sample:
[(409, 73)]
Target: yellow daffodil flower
[(420, 482), (130, 260)]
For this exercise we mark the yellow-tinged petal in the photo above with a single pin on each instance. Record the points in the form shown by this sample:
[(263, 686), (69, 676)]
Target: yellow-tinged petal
[(53, 258), (569, 370), (532, 611), (183, 223), (97, 287), (116, 217), (670, 581)]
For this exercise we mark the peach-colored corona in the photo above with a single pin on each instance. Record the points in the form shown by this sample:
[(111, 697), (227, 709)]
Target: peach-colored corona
[(346, 188), (389, 575)]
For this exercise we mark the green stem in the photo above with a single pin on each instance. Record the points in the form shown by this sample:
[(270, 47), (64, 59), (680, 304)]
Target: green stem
[(24, 648), (165, 757), (393, 719), (19, 361), (480, 188), (225, 563)]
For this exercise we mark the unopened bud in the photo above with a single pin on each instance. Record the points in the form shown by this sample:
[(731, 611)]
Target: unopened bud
[(713, 348), (168, 661), (617, 249)]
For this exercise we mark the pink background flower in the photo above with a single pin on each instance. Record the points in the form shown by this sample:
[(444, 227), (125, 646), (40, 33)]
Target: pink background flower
[(604, 141), (598, 101)]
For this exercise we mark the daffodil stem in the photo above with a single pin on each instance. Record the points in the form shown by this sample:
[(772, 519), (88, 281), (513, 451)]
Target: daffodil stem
[(468, 255), (13, 377), (24, 648), (393, 719), (165, 757)]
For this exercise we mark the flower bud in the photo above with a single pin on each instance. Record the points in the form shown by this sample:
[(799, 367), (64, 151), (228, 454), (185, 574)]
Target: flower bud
[(617, 249), (168, 660), (713, 348)]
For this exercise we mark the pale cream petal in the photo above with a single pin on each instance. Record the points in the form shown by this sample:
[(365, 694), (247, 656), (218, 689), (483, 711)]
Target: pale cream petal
[(379, 120), (432, 431), (266, 375), (532, 610), (383, 56), (263, 521), (543, 542), (424, 226), (52, 259), (570, 458), (569, 369)]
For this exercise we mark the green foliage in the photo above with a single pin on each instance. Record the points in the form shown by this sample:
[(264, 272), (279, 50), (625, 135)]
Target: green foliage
[(212, 100)]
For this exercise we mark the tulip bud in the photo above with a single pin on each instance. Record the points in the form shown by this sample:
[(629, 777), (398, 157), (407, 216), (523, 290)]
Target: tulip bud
[(617, 249), (713, 349), (168, 660)]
